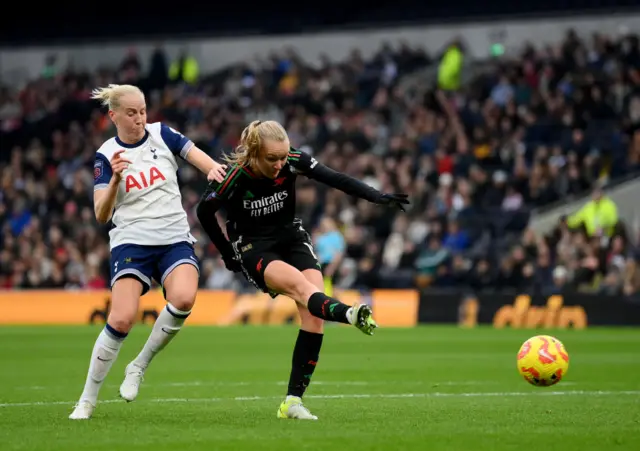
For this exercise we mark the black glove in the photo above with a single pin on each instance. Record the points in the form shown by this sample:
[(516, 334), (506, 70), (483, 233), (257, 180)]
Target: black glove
[(232, 264), (394, 200)]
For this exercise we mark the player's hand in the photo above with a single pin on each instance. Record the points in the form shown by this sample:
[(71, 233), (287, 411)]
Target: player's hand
[(232, 264), (394, 200), (119, 164), (217, 173)]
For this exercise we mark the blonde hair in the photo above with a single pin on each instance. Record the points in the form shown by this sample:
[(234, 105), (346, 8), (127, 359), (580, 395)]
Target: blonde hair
[(251, 140), (110, 96)]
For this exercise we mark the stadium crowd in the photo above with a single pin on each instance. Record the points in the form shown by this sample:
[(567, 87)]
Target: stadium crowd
[(548, 125)]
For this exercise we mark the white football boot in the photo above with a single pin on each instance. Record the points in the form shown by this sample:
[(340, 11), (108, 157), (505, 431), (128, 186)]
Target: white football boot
[(292, 408), (133, 377), (82, 411)]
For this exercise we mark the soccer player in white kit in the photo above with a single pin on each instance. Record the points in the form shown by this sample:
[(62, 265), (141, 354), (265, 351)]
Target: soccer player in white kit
[(136, 185)]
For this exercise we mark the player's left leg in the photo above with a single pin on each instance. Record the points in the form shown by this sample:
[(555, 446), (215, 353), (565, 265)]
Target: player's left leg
[(306, 353), (179, 277)]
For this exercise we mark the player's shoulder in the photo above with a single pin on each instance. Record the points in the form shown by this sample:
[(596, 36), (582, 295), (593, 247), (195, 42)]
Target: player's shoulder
[(162, 130), (169, 136), (236, 175), (155, 129), (239, 173), (108, 148)]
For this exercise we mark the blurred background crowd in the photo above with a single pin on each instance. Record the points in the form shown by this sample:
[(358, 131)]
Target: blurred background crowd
[(476, 153)]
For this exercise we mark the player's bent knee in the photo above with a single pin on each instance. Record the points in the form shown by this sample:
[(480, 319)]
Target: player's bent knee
[(181, 287), (123, 313), (182, 301), (182, 297), (121, 324), (287, 280), (300, 290)]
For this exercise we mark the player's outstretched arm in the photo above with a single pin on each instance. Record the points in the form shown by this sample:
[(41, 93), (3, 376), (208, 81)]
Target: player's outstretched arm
[(207, 165), (308, 166), (183, 147)]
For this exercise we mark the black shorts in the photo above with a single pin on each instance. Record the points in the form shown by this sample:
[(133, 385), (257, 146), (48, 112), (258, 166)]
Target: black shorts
[(294, 248)]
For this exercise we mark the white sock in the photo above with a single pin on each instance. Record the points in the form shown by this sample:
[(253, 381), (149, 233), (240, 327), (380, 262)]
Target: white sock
[(104, 354), (350, 315), (166, 327)]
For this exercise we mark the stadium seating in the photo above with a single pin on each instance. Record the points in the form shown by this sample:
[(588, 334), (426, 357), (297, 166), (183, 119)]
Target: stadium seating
[(522, 134)]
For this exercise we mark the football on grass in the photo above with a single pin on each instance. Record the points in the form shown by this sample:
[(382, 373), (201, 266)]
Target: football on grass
[(543, 361)]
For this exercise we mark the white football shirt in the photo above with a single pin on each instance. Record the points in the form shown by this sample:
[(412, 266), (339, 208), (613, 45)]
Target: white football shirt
[(148, 209)]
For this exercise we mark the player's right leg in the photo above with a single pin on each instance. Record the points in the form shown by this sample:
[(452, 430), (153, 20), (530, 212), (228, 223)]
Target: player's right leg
[(129, 279), (264, 267), (281, 277), (124, 307)]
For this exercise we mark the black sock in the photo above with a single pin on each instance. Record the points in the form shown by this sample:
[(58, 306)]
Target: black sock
[(305, 358), (322, 306)]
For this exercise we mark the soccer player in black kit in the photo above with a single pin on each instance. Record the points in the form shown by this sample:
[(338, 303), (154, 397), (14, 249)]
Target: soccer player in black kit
[(270, 246)]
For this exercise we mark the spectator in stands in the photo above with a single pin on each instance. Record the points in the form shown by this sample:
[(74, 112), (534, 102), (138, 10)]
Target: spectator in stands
[(184, 69), (450, 68), (131, 67), (158, 76), (456, 240), (560, 280), (523, 133), (429, 260), (330, 247), (599, 216), (215, 277)]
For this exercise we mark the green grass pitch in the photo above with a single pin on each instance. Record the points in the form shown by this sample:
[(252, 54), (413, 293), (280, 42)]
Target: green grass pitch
[(427, 388)]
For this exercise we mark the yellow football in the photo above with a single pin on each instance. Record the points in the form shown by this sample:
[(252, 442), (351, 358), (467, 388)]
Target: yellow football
[(543, 360)]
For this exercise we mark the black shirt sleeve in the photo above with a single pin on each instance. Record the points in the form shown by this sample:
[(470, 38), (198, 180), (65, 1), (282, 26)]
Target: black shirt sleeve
[(213, 200), (305, 164)]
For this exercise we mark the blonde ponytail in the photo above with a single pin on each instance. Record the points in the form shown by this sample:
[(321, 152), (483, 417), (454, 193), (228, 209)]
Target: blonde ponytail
[(110, 96)]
